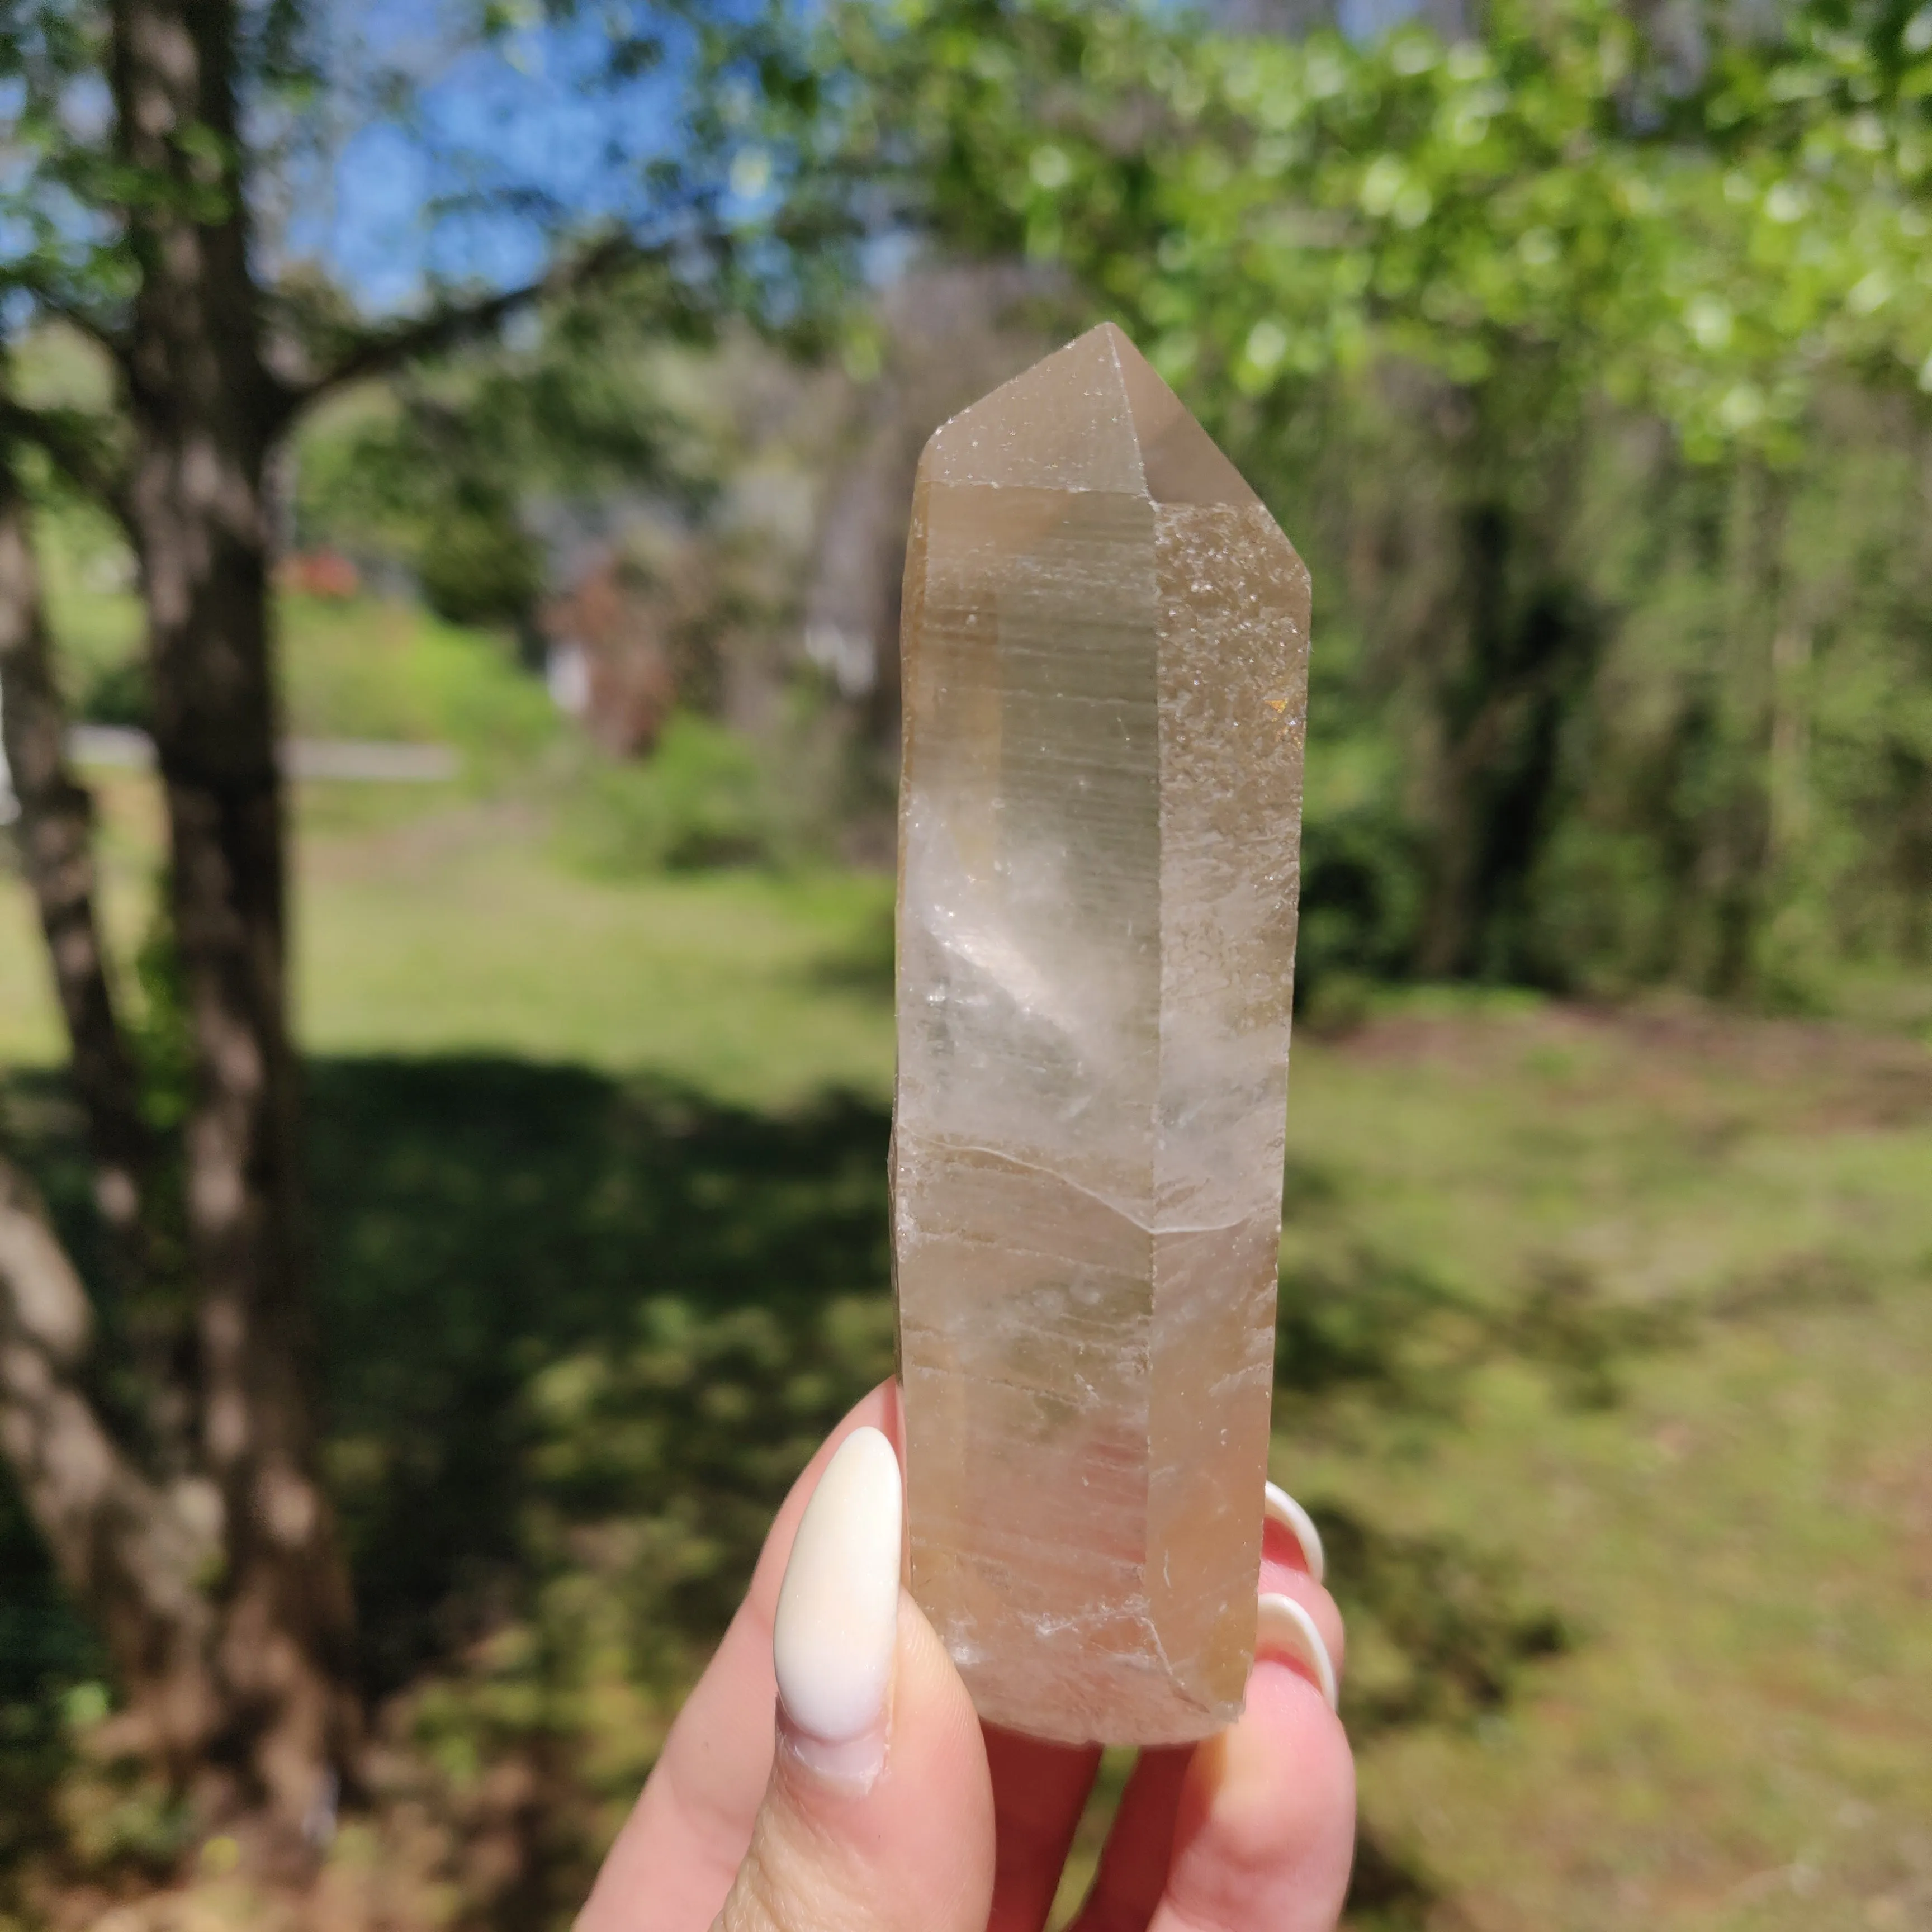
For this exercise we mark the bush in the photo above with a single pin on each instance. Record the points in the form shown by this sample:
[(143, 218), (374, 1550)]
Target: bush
[(480, 567), (116, 693), (701, 799)]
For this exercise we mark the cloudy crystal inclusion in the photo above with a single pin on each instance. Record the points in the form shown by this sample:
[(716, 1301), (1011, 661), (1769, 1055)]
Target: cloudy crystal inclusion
[(1105, 641)]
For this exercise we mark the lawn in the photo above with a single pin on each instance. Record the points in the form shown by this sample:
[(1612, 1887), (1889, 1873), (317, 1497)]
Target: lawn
[(1603, 1354), (1679, 1271)]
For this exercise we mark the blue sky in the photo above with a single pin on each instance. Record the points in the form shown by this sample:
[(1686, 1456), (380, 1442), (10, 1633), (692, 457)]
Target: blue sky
[(533, 117)]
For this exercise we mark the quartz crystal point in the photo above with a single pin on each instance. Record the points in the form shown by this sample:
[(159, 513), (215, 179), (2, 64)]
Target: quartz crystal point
[(1105, 644)]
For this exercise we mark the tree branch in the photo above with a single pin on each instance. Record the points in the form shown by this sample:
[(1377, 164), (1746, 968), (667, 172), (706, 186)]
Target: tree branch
[(79, 446), (375, 352), (105, 337)]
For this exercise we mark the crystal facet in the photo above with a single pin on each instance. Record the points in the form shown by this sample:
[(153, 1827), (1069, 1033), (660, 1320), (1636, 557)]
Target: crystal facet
[(1105, 645)]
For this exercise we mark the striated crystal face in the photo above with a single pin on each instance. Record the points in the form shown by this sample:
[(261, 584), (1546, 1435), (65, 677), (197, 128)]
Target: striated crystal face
[(1105, 645)]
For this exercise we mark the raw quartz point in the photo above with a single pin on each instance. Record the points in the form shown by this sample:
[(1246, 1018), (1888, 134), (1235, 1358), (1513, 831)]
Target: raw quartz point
[(1106, 649)]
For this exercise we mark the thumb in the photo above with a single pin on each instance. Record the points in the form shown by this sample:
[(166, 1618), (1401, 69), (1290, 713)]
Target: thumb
[(879, 1814)]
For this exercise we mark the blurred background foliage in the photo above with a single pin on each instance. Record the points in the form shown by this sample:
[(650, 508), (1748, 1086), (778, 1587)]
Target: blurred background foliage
[(1586, 357), (1586, 353), (1590, 371)]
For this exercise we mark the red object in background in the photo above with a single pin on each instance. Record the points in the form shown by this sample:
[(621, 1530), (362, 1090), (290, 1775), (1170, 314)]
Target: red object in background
[(318, 573)]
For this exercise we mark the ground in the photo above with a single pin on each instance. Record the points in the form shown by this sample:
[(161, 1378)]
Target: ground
[(1603, 1345)]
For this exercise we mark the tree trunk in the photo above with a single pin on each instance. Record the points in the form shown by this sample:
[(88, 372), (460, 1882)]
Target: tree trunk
[(205, 412), (56, 847), (1513, 649), (1471, 707), (130, 1544), (132, 1553)]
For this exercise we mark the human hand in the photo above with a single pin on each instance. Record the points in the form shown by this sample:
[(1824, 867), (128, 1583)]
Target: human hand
[(886, 1807)]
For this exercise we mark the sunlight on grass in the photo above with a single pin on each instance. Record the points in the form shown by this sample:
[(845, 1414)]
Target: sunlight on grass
[(459, 934), (1734, 1526), (453, 933), (425, 924), (367, 668), (29, 1022)]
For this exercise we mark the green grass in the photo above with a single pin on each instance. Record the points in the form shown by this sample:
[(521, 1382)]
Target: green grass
[(758, 989), (362, 667), (367, 668), (1603, 1357), (1713, 1470), (740, 979), (28, 1034), (1740, 1737)]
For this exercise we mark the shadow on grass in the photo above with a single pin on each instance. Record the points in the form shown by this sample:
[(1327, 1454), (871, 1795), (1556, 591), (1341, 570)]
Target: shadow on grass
[(577, 1335), (1390, 1893), (553, 1301)]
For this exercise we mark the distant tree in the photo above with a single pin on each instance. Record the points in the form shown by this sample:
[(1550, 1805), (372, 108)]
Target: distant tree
[(443, 466), (1454, 261), (157, 147)]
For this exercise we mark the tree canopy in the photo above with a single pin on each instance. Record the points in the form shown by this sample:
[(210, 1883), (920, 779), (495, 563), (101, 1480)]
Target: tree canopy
[(1554, 234)]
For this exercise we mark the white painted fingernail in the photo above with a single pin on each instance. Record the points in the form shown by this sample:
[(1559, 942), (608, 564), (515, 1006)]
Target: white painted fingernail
[(1278, 1506), (1283, 1629), (836, 1633)]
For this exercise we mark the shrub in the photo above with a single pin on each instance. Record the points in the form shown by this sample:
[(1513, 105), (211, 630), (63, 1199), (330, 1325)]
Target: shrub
[(480, 567), (700, 800)]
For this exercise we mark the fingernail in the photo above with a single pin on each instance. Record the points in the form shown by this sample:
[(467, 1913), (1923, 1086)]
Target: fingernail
[(1278, 1506), (1283, 1629), (836, 1632)]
